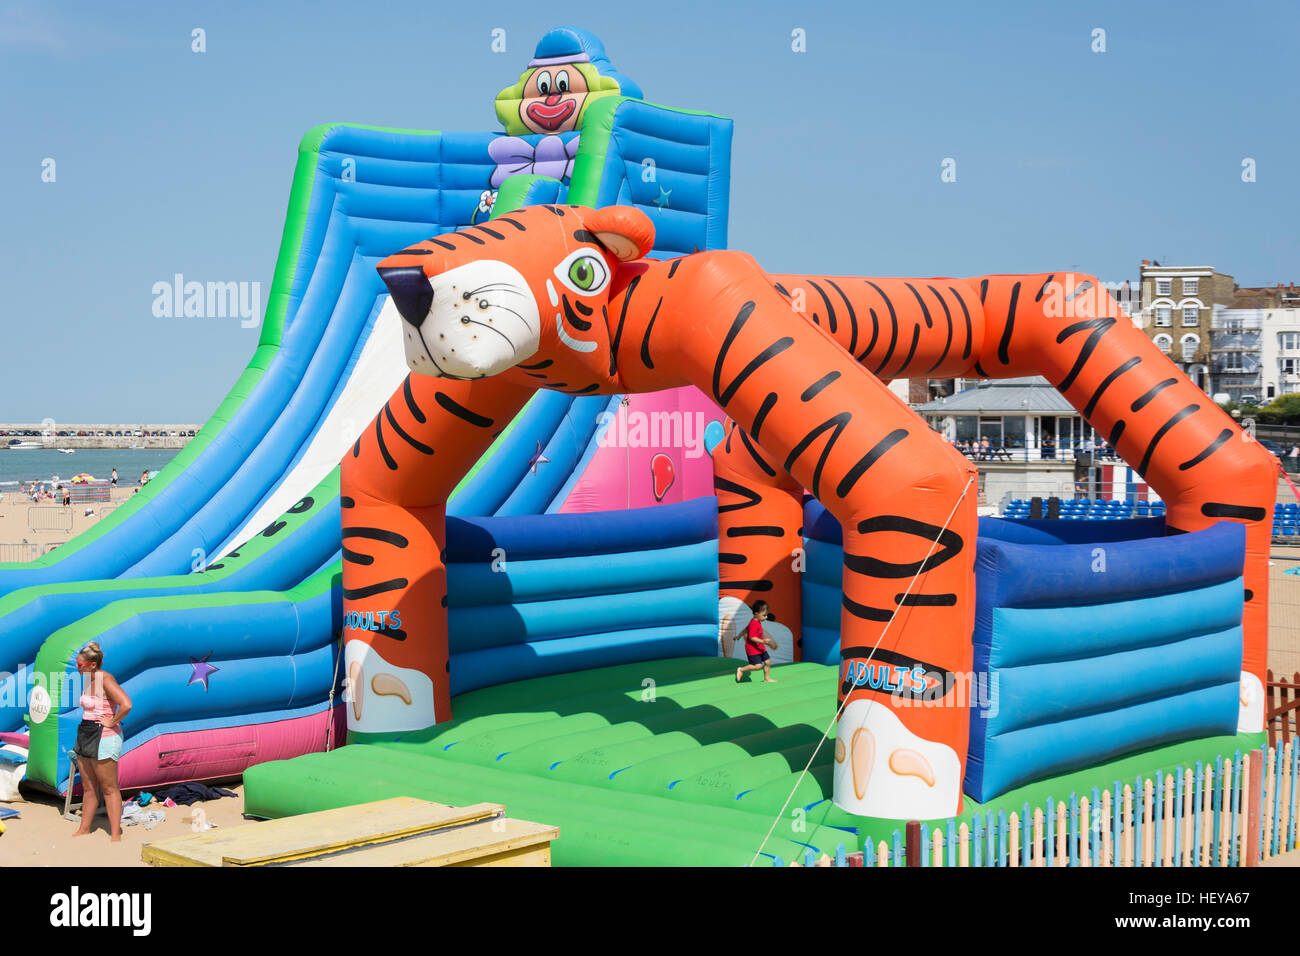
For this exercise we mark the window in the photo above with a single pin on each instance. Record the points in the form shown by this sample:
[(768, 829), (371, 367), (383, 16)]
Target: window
[(1190, 344), (1164, 286), (1162, 316), (1190, 286), (1164, 343), (1288, 341), (1287, 366), (1232, 362), (1191, 315)]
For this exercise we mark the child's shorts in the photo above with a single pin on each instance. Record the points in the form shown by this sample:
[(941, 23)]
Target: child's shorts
[(758, 658), (110, 746)]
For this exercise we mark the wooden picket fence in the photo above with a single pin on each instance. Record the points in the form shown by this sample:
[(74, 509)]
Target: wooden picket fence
[(1283, 707), (1238, 812)]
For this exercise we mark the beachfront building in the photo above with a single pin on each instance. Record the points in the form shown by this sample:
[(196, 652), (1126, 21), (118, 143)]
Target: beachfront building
[(1178, 313), (1255, 352)]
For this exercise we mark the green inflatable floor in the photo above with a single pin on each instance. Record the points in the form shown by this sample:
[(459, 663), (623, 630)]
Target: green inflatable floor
[(655, 763)]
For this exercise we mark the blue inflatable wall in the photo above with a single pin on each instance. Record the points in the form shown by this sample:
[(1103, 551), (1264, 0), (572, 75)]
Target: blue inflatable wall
[(1101, 648), (534, 595), (819, 585)]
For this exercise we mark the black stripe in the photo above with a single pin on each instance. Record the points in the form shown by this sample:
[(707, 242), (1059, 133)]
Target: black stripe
[(1043, 290), (538, 375), (473, 238), (812, 390), (512, 222), (555, 209), (389, 460), (491, 232), (585, 389), (416, 252), (875, 333), (726, 557), (672, 268), (460, 411), (394, 634), (1005, 344), (583, 307), (1151, 448), (356, 448), (416, 412), (376, 534), (970, 332), (853, 316), (575, 320), (925, 600), (862, 612), (756, 455), (1106, 383), (543, 364), (645, 340), (947, 344), (1249, 594), (984, 290), (1216, 509), (1155, 390), (1115, 434), (929, 322), (439, 242), (949, 541), (979, 371), (346, 501), (764, 530), (1210, 449), (830, 309), (782, 289), (870, 458), (622, 316), (762, 414), (582, 235), (1100, 327), (419, 446), (893, 324), (838, 422), (769, 353), (356, 557), (725, 484), (370, 590), (916, 337), (761, 585)]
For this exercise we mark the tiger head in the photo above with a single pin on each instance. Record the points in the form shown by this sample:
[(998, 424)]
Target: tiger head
[(535, 282)]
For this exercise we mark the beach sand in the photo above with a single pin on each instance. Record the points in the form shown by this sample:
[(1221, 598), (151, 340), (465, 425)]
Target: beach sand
[(41, 837), (18, 542)]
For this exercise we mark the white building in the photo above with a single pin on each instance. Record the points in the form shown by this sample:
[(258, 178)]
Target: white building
[(1256, 353)]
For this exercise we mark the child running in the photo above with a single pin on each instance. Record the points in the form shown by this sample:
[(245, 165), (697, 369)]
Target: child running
[(756, 644)]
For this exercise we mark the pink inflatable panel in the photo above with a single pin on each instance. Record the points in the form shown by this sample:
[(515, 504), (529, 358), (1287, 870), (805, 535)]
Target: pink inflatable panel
[(651, 453), (226, 751)]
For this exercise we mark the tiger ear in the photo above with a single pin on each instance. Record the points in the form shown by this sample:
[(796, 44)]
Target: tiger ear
[(623, 230)]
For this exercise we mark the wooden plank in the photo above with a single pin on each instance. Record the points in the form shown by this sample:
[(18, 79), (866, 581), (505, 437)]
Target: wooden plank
[(1128, 826), (936, 844), (311, 834), (1167, 834), (1107, 860), (1085, 828), (501, 842), (1014, 822), (913, 853), (1148, 826), (1189, 777), (1252, 779), (963, 845)]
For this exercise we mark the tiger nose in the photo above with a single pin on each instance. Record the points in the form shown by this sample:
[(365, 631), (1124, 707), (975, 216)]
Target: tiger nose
[(411, 291)]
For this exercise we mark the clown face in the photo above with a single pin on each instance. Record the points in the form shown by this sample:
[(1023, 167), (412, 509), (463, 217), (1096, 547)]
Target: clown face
[(552, 98)]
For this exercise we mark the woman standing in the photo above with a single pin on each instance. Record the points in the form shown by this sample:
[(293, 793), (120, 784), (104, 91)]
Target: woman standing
[(99, 740)]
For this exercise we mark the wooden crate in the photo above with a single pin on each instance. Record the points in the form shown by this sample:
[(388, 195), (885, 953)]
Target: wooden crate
[(402, 831)]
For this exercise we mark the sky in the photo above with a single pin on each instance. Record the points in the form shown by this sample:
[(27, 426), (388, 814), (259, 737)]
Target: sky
[(1066, 156)]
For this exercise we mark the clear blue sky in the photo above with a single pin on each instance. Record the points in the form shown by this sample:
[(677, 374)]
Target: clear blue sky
[(170, 161)]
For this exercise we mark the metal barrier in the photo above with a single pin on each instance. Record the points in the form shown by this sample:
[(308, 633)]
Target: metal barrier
[(49, 518), (21, 552)]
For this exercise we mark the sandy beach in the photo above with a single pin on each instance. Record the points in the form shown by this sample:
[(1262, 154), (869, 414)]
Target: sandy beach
[(41, 837), (18, 540)]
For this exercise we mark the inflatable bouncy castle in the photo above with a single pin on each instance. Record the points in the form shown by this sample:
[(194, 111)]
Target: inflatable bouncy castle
[(590, 436)]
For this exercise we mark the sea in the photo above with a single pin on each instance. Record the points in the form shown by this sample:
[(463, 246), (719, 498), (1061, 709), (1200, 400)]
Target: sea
[(42, 464)]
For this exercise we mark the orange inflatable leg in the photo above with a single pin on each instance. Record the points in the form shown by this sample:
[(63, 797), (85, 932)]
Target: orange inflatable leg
[(760, 540), (394, 485)]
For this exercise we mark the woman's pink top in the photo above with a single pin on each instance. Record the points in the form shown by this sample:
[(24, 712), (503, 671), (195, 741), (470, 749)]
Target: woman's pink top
[(98, 709)]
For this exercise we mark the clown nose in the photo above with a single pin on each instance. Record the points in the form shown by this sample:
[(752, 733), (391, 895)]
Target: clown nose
[(411, 291)]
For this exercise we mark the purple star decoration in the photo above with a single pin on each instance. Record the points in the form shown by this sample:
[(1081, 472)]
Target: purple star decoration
[(202, 670), (552, 156)]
